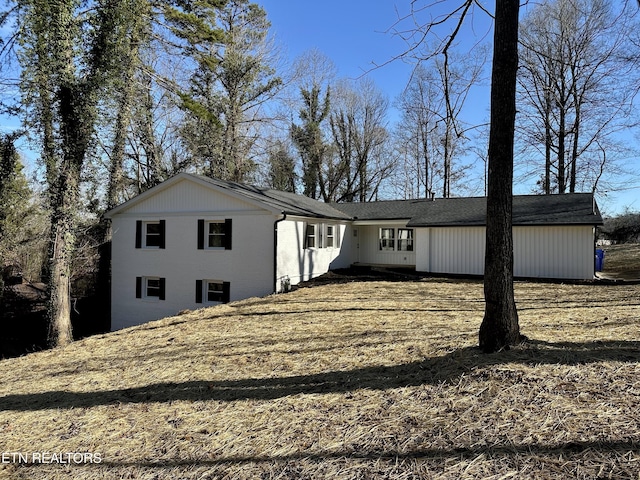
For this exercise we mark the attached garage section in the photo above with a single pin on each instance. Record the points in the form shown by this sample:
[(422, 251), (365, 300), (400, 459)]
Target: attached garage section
[(558, 251), (455, 250)]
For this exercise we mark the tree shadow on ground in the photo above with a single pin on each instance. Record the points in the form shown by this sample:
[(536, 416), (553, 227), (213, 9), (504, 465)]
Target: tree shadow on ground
[(497, 452), (435, 370)]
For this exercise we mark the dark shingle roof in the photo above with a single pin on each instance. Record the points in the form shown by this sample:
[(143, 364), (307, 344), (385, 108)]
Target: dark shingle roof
[(383, 210), (289, 203), (569, 209)]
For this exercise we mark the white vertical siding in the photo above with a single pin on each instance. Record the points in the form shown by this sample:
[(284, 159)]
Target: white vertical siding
[(369, 251), (554, 251), (539, 251), (457, 250), (298, 264)]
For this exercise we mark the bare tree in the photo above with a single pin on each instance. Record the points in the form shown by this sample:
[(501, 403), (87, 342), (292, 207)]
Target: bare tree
[(575, 87), (416, 135), (359, 130)]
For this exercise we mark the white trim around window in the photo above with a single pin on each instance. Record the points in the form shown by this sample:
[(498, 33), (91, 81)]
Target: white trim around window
[(151, 288), (213, 292), (322, 235)]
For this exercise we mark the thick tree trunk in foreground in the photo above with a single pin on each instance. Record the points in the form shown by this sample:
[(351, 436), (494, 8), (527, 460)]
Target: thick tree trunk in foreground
[(500, 327)]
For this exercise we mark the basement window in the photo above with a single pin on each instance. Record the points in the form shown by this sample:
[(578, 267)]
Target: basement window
[(152, 288), (213, 291)]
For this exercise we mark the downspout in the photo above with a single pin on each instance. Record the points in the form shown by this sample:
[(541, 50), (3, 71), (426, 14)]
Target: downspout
[(275, 250)]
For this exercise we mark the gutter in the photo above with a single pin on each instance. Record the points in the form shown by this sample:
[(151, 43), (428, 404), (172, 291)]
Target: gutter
[(275, 250)]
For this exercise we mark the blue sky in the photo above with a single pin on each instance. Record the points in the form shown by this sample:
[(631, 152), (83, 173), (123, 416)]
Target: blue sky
[(352, 34), (355, 35), (349, 32)]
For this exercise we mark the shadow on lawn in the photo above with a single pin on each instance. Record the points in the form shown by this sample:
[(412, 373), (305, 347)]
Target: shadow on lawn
[(568, 450), (429, 371)]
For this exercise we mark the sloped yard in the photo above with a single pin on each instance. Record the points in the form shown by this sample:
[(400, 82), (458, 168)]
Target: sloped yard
[(357, 380), (622, 261)]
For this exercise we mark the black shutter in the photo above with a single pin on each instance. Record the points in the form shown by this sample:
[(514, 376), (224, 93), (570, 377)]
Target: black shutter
[(163, 229), (198, 291), (226, 292), (138, 233), (305, 242), (227, 234), (162, 288), (138, 287), (200, 234)]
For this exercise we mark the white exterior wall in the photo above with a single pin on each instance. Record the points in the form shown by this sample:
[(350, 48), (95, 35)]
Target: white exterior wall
[(369, 251), (298, 264), (248, 266), (539, 251), (457, 250), (554, 252)]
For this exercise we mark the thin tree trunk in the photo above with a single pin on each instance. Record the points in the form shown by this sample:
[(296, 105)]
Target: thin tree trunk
[(500, 328), (576, 137), (562, 178), (548, 143)]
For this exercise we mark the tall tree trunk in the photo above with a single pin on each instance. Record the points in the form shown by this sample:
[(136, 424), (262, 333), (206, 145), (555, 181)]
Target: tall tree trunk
[(75, 114), (576, 137), (59, 286), (548, 143), (562, 134), (500, 328), (76, 99)]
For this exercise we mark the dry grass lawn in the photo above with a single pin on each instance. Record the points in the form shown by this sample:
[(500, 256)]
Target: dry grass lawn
[(355, 380), (623, 260)]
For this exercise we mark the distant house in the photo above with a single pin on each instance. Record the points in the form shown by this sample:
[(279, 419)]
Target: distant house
[(193, 241)]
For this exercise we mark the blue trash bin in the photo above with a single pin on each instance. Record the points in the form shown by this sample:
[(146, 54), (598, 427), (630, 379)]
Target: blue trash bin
[(599, 259)]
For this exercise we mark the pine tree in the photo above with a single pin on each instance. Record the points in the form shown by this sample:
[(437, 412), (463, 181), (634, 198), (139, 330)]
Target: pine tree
[(309, 140)]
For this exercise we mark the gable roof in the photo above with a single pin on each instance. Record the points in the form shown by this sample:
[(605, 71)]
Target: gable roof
[(285, 202), (567, 209), (274, 200)]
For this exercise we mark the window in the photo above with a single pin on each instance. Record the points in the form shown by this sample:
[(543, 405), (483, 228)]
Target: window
[(150, 287), (405, 239), (310, 236), (321, 235), (150, 234), (212, 291), (332, 238), (214, 234), (387, 239), (215, 292)]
